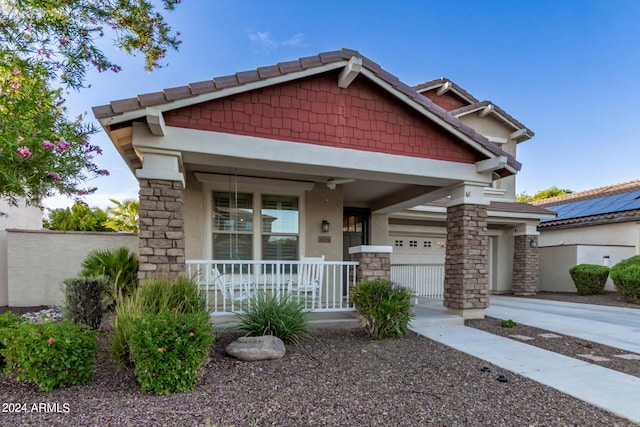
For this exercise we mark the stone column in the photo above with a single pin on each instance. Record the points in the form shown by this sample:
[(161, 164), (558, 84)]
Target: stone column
[(374, 262), (161, 236), (526, 261), (466, 283)]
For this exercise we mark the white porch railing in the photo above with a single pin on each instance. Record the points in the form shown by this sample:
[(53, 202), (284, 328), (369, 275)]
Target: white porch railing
[(228, 285), (426, 280)]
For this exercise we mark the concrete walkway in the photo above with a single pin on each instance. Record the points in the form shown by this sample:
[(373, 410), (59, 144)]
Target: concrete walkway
[(602, 387)]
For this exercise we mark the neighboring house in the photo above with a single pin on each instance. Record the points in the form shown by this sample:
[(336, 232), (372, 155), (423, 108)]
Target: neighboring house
[(20, 216), (599, 226), (330, 155)]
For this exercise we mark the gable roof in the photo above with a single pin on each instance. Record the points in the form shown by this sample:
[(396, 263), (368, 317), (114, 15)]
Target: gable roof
[(449, 85), (444, 85), (610, 204), (121, 112), (491, 108)]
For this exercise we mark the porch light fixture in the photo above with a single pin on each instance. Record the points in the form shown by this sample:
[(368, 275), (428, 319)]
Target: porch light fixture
[(325, 226), (533, 243)]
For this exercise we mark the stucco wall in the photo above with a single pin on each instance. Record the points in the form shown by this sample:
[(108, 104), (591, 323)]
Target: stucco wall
[(555, 262), (38, 261), (323, 203), (194, 219), (623, 233), (22, 216), (503, 273)]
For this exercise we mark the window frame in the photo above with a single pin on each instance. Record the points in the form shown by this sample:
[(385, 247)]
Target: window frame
[(257, 187)]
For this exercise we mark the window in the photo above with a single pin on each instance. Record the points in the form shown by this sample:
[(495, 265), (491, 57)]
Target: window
[(280, 227), (398, 243), (237, 227), (413, 243), (232, 226), (427, 243), (352, 223)]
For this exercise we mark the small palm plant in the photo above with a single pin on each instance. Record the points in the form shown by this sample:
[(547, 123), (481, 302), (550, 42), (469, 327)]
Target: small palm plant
[(120, 266), (123, 216)]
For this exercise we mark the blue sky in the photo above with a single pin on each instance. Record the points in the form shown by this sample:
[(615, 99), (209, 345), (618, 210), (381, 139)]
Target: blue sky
[(568, 70)]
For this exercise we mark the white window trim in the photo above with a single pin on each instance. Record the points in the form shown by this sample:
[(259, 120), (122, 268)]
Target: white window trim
[(257, 187)]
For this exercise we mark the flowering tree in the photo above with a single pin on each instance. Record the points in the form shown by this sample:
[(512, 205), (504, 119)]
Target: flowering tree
[(45, 47)]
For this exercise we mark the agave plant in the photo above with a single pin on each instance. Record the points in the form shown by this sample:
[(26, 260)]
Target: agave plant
[(120, 266)]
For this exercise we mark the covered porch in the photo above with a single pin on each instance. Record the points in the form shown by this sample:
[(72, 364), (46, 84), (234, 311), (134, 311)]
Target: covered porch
[(252, 173)]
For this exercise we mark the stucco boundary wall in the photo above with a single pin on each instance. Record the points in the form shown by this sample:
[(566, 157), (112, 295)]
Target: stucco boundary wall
[(555, 262), (33, 263)]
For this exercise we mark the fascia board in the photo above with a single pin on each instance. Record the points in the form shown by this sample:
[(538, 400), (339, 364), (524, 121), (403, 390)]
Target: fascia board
[(370, 164)]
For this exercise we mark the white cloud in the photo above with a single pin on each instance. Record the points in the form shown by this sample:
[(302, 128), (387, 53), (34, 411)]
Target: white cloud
[(265, 41)]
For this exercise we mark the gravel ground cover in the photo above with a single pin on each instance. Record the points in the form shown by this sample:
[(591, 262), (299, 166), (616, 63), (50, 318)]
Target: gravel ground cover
[(333, 378)]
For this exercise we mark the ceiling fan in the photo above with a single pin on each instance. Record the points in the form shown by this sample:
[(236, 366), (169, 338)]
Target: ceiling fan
[(331, 183)]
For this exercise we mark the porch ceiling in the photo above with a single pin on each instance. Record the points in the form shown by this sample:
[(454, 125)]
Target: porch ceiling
[(357, 192)]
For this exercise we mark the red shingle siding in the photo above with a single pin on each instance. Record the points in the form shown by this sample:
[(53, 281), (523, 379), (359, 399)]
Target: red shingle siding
[(317, 111), (448, 100)]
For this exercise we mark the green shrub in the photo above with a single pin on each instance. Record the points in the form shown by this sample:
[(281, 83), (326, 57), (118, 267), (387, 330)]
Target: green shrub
[(180, 293), (119, 265), (282, 316), (51, 354), (155, 296), (508, 323), (589, 279), (83, 300), (169, 349), (385, 309), (627, 281), (8, 320)]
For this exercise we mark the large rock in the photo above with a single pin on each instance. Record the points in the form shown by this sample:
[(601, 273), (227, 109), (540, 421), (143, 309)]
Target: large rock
[(257, 348)]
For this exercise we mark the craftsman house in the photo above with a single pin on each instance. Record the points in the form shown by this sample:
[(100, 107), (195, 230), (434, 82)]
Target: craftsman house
[(329, 156)]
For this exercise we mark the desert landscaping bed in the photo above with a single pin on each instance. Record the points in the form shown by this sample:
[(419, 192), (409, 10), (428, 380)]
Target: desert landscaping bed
[(333, 378)]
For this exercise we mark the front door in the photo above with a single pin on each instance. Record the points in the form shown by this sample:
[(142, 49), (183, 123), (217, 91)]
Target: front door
[(355, 232), (355, 229)]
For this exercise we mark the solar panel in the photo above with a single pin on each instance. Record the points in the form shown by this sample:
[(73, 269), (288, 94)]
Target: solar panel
[(598, 206)]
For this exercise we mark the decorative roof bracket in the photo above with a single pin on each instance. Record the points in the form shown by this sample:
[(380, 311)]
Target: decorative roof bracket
[(443, 89), (155, 121), (350, 72)]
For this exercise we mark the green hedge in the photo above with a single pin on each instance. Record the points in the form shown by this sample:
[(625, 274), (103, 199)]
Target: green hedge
[(589, 279), (626, 278), (51, 354)]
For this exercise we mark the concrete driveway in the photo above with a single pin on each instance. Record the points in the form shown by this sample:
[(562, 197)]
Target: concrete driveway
[(600, 386), (613, 326)]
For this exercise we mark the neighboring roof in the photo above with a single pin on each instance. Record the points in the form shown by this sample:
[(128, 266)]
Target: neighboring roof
[(126, 110), (614, 203), (609, 190)]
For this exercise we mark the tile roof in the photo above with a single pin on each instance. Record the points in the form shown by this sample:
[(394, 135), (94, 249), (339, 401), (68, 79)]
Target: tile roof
[(615, 214), (610, 190), (496, 205), (608, 218), (435, 84), (136, 106), (474, 104), (497, 110)]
